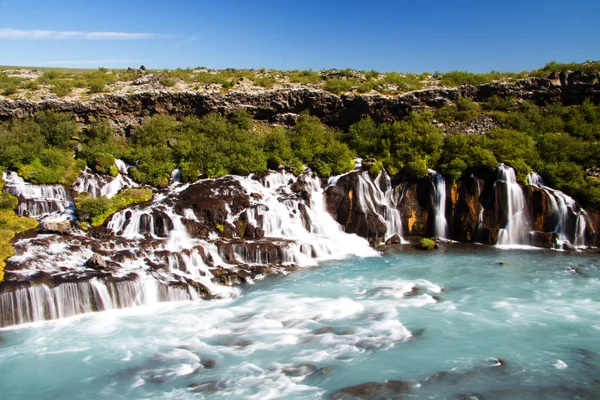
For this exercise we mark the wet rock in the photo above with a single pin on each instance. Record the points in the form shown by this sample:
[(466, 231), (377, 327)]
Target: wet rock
[(208, 364), (324, 330), (96, 262), (207, 387), (327, 370), (413, 292), (60, 227), (371, 389), (395, 239), (362, 390), (300, 370), (437, 298), (302, 188), (345, 205)]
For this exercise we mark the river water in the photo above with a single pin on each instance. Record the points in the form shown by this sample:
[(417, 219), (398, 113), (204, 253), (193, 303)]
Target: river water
[(440, 320)]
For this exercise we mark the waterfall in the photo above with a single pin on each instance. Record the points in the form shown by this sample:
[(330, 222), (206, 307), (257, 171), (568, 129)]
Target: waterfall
[(41, 302), (176, 175), (104, 185), (571, 223), (39, 201), (440, 227), (318, 237), (516, 230), (381, 199), (150, 257)]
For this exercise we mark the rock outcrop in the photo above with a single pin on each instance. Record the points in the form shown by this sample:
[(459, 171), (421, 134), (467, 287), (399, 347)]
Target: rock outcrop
[(476, 211), (127, 110)]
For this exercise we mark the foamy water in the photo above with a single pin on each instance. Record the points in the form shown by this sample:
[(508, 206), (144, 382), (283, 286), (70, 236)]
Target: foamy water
[(316, 331)]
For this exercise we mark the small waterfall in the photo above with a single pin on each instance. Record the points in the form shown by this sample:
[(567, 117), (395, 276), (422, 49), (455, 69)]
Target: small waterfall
[(39, 201), (380, 198), (41, 302), (103, 185), (516, 231), (571, 223), (440, 228), (176, 175), (283, 215)]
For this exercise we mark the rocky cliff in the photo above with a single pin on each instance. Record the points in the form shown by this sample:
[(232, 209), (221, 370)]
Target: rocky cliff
[(282, 105)]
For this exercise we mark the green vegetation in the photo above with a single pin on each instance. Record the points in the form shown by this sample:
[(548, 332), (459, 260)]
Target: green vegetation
[(559, 142), (427, 244), (62, 81), (97, 210), (10, 225), (40, 148)]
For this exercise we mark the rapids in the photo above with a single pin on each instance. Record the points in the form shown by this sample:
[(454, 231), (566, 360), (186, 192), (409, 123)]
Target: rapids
[(482, 322)]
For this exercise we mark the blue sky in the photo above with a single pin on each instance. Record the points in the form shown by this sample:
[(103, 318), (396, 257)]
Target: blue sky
[(386, 35)]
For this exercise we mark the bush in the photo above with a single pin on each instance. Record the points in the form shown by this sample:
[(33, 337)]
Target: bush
[(97, 86), (274, 162), (427, 244), (462, 111), (97, 210), (166, 81), (338, 86)]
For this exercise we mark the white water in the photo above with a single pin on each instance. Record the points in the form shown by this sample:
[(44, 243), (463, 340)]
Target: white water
[(39, 201), (102, 185), (565, 211), (440, 227), (316, 235), (381, 199), (153, 258), (516, 231)]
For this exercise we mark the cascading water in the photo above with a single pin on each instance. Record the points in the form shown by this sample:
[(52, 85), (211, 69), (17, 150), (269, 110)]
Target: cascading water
[(571, 223), (516, 230), (150, 256), (316, 235), (380, 198), (440, 228), (39, 201), (102, 185)]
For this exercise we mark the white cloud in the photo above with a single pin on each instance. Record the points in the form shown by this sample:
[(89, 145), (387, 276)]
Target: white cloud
[(7, 33), (88, 62)]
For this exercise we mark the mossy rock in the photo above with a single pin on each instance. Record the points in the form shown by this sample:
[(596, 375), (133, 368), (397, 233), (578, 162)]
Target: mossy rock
[(428, 244)]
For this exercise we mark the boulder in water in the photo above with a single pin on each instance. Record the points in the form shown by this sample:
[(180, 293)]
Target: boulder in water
[(96, 262), (60, 227), (300, 370), (208, 364), (395, 239), (373, 390)]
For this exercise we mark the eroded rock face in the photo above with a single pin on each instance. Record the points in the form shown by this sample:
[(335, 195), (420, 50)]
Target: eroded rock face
[(281, 105), (476, 211)]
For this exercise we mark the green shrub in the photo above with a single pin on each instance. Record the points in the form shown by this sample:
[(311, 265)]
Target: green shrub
[(274, 162), (265, 81), (166, 81), (97, 210), (97, 86), (427, 244), (61, 88), (9, 88), (462, 110), (338, 86)]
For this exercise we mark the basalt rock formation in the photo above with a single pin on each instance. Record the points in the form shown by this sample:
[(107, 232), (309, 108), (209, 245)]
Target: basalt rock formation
[(476, 210), (127, 110)]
